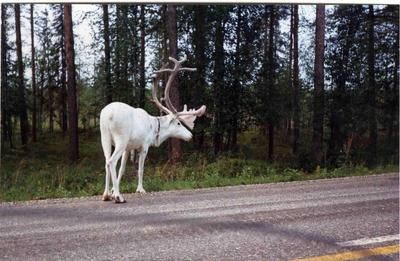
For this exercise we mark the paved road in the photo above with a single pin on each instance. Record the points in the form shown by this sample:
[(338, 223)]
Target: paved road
[(257, 222)]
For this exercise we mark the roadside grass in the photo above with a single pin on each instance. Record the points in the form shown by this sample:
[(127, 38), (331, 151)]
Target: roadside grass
[(43, 170)]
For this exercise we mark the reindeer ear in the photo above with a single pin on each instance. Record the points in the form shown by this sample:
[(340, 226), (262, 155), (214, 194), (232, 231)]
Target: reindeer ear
[(188, 120)]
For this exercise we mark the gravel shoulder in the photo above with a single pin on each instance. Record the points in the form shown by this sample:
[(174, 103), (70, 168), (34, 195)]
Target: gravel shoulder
[(258, 222)]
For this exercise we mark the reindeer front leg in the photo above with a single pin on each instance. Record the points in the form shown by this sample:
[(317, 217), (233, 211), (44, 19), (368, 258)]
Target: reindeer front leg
[(142, 157)]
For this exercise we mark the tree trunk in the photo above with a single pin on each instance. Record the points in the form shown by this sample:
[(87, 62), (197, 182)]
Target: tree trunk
[(124, 51), (270, 141), (200, 14), (271, 79), (72, 99), (3, 77), (108, 90), (133, 56), (175, 147), (51, 103), (142, 96), (219, 70), (296, 88), (372, 123), (164, 44), (6, 125), (393, 135), (318, 106), (236, 90), (34, 115), (289, 120), (40, 91), (64, 123), (23, 116)]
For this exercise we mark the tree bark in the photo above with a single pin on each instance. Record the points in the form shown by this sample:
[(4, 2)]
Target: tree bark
[(271, 79), (219, 70), (40, 93), (6, 125), (108, 90), (23, 116), (289, 120), (296, 88), (372, 122), (51, 103), (64, 123), (72, 99), (318, 105), (124, 46), (175, 147), (4, 69), (393, 135), (134, 55), (200, 13), (34, 115), (142, 97), (236, 90)]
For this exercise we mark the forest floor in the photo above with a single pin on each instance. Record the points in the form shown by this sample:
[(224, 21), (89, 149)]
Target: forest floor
[(42, 170)]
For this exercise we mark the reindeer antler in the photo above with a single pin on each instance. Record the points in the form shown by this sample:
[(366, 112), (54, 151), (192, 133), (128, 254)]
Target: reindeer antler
[(177, 68), (156, 78), (186, 116)]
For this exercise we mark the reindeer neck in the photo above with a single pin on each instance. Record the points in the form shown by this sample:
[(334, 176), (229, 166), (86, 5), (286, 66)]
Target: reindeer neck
[(161, 133)]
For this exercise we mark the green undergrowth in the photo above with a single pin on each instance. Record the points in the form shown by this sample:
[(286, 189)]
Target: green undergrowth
[(43, 171)]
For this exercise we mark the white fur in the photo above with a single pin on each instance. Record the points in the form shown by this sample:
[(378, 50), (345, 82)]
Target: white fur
[(127, 129)]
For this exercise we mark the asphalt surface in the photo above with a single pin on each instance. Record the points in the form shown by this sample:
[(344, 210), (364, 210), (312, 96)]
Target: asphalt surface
[(257, 222)]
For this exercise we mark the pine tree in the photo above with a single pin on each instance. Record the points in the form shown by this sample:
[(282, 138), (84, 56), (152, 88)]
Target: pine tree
[(23, 115), (175, 145), (341, 58), (372, 122), (236, 88), (59, 65), (218, 81), (318, 106), (44, 71), (6, 125), (270, 81), (200, 58), (71, 82), (133, 51), (142, 56), (106, 34), (295, 80), (34, 111)]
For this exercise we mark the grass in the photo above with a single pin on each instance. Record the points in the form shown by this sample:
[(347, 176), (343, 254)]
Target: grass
[(43, 171)]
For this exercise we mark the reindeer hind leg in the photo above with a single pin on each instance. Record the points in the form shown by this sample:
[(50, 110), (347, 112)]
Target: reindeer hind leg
[(112, 165), (106, 144)]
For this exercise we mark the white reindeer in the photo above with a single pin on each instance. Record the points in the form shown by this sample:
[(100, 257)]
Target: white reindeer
[(128, 129)]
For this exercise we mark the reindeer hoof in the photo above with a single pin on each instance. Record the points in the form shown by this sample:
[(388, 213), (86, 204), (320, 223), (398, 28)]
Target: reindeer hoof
[(119, 199), (141, 191), (106, 197)]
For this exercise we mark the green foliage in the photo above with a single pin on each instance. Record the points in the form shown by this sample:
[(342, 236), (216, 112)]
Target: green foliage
[(41, 172)]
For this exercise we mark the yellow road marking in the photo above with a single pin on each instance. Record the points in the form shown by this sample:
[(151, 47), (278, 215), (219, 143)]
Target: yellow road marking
[(356, 254)]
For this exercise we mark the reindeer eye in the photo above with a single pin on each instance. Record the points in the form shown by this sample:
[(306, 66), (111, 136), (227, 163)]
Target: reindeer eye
[(179, 123)]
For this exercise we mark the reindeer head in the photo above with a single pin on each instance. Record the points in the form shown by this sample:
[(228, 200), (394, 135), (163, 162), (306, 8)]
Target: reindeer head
[(187, 117)]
